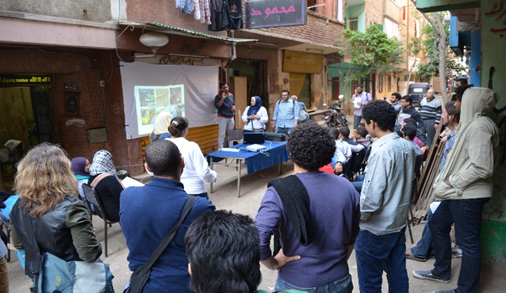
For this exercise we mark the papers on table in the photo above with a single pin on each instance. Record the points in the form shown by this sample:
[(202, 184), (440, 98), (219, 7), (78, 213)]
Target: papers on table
[(128, 182)]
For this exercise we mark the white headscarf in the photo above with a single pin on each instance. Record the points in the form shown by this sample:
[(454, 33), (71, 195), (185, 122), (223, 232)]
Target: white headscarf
[(162, 123)]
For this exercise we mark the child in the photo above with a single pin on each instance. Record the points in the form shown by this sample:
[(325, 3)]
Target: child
[(409, 132)]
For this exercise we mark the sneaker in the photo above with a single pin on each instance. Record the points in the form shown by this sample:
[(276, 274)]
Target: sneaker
[(427, 275), (410, 255)]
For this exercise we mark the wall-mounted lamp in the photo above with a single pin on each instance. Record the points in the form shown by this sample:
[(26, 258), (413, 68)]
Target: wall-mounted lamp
[(154, 41)]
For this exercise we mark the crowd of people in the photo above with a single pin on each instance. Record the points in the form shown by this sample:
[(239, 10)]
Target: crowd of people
[(315, 218)]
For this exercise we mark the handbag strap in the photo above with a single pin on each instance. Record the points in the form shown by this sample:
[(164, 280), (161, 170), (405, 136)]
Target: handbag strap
[(170, 235)]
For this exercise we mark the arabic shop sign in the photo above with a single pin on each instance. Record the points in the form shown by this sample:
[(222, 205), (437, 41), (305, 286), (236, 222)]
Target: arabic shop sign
[(275, 13), (25, 79)]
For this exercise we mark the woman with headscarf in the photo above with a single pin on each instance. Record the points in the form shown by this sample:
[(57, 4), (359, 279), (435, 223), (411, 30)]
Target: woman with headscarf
[(106, 183), (80, 167), (196, 171), (161, 126), (255, 116)]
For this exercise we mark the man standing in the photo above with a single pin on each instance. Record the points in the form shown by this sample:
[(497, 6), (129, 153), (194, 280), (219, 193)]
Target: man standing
[(464, 186), (384, 203), (430, 111), (360, 99), (286, 114), (424, 248), (408, 111), (225, 103), (147, 213)]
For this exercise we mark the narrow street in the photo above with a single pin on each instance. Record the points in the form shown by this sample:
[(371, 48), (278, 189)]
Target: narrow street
[(253, 187)]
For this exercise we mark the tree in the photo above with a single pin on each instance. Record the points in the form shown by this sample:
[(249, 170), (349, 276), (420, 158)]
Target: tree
[(437, 50), (371, 50), (414, 48)]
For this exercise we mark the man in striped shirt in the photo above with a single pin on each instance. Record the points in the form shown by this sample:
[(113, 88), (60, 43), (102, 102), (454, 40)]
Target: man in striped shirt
[(430, 110)]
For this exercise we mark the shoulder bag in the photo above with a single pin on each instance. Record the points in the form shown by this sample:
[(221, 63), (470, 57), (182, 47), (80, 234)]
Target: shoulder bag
[(141, 274), (53, 274)]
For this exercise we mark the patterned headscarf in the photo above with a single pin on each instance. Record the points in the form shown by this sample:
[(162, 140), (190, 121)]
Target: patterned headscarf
[(77, 166), (102, 163)]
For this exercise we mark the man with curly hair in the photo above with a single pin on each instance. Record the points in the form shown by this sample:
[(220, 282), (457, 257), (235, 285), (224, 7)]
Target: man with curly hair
[(384, 203), (316, 215)]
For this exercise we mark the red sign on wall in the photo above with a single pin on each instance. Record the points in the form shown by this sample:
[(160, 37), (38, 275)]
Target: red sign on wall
[(275, 13)]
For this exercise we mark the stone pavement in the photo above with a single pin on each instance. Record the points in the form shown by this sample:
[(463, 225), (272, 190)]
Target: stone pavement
[(253, 187)]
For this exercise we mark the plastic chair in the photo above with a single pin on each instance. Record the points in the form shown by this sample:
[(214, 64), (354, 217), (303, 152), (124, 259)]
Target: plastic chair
[(95, 207)]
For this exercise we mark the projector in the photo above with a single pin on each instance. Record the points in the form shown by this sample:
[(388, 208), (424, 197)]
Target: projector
[(255, 148)]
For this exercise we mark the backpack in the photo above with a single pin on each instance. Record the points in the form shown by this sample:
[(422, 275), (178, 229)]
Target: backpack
[(303, 114)]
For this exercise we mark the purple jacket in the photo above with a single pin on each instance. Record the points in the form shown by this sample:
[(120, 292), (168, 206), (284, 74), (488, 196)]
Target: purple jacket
[(335, 214)]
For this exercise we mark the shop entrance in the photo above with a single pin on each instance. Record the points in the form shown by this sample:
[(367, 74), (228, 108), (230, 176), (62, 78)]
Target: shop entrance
[(25, 116)]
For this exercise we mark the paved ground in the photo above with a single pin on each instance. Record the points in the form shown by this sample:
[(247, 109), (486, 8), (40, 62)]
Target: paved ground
[(253, 188)]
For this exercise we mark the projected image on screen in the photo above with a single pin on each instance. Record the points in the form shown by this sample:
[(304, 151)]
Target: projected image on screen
[(151, 100)]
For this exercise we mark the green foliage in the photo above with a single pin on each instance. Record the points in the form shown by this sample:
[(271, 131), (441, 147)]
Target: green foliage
[(371, 50), (431, 66)]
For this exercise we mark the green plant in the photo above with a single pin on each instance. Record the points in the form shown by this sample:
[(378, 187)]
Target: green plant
[(371, 50)]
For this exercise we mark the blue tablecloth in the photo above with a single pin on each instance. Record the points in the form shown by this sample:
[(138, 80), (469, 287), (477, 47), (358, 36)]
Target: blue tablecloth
[(255, 161)]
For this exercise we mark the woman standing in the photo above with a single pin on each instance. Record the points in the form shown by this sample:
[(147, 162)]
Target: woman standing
[(196, 171), (106, 183), (49, 206), (255, 115)]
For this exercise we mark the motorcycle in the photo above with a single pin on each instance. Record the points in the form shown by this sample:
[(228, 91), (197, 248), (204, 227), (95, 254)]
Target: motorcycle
[(336, 117)]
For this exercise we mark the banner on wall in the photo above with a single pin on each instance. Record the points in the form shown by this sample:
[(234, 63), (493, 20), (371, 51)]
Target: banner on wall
[(149, 89)]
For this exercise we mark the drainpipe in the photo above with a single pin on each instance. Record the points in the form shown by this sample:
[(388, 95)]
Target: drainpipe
[(233, 56)]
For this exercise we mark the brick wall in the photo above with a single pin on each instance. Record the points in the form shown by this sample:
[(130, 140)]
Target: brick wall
[(99, 107), (319, 29), (374, 12)]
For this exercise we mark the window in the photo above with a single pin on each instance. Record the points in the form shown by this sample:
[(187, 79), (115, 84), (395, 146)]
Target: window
[(391, 28), (389, 83), (340, 13), (311, 3), (380, 77), (353, 24)]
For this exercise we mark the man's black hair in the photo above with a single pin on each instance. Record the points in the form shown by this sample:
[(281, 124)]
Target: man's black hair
[(409, 131), (361, 131), (459, 92), (222, 84), (411, 121), (397, 96), (311, 146), (463, 81), (163, 158), (452, 110), (345, 131), (380, 112), (360, 85), (285, 91), (224, 253), (408, 99), (334, 132)]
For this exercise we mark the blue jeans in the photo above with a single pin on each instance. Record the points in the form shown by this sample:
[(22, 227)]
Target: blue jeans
[(358, 183), (356, 121), (283, 130), (466, 214), (378, 253), (424, 247), (204, 194), (343, 285)]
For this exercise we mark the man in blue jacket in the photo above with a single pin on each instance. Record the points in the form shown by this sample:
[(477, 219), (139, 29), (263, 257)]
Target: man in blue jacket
[(147, 213)]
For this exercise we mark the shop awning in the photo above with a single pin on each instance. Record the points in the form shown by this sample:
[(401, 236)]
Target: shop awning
[(185, 32)]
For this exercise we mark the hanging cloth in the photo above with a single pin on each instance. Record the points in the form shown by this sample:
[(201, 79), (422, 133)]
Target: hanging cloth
[(235, 14)]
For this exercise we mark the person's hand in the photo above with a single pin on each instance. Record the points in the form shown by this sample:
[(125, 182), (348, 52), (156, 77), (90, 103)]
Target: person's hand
[(233, 108), (436, 126), (338, 169), (444, 138), (223, 96), (447, 182), (281, 259), (424, 149)]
